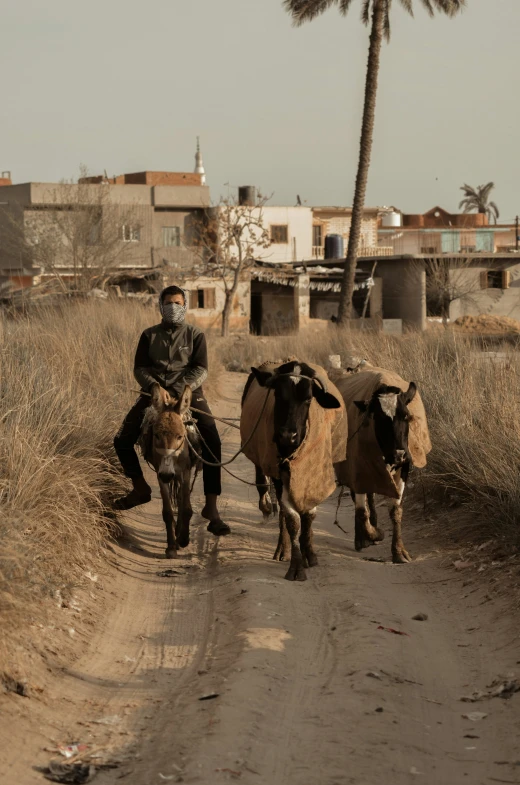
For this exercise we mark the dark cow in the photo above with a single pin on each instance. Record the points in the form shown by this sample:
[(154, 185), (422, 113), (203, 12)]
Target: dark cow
[(300, 435), (389, 435)]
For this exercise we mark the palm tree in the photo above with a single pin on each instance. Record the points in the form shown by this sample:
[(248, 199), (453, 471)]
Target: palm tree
[(305, 10), (477, 199)]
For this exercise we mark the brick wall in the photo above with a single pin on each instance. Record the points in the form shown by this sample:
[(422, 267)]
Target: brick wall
[(163, 178)]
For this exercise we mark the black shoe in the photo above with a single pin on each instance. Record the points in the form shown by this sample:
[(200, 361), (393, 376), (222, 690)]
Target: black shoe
[(132, 499), (218, 528)]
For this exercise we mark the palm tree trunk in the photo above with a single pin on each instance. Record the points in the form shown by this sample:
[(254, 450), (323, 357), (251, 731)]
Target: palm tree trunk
[(367, 133)]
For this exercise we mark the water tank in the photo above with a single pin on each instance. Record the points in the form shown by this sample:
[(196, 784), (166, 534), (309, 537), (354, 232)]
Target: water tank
[(247, 195), (334, 248), (392, 219)]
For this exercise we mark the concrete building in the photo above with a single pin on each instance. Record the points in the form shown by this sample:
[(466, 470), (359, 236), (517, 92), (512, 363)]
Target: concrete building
[(439, 232), (139, 220), (337, 221)]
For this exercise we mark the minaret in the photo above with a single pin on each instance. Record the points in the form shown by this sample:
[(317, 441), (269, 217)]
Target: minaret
[(199, 166)]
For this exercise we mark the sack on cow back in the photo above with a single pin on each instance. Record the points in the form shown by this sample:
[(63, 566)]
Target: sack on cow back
[(312, 477), (365, 470)]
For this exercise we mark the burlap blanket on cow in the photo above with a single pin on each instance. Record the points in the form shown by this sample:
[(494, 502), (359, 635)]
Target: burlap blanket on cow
[(365, 471), (312, 476)]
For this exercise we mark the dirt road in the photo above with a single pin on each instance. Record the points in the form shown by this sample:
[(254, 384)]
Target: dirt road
[(309, 688)]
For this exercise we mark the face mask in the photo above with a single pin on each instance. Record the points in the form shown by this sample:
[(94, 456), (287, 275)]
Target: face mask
[(173, 313)]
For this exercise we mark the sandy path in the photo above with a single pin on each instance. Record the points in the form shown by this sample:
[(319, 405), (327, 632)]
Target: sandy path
[(309, 689)]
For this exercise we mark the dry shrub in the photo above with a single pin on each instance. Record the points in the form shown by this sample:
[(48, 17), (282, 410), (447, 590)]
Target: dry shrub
[(473, 406), (65, 379)]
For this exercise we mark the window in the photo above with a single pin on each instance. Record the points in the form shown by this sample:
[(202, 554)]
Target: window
[(94, 233), (495, 279), (279, 233), (131, 234), (317, 235), (171, 236), (202, 298)]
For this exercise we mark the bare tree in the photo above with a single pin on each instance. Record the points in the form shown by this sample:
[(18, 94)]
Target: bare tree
[(448, 279), (76, 234), (231, 238)]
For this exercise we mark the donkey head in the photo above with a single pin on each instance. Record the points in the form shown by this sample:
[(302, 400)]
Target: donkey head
[(169, 431)]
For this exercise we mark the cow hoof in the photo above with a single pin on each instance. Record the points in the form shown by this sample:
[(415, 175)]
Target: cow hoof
[(171, 553), (295, 574), (378, 536), (401, 557), (183, 540), (312, 560)]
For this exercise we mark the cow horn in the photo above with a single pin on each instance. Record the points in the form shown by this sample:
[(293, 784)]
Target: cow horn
[(322, 380)]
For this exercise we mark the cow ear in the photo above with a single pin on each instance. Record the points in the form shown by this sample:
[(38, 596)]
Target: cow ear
[(362, 406), (326, 400), (262, 377), (184, 402), (410, 393)]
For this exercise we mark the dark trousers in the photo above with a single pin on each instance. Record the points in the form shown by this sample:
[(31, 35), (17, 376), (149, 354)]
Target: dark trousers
[(128, 434)]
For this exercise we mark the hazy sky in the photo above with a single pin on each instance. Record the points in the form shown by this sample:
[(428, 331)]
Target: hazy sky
[(127, 86)]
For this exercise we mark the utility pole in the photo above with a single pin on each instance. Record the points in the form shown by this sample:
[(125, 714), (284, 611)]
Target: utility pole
[(517, 239)]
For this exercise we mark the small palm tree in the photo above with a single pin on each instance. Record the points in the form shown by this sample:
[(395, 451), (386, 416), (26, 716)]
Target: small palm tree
[(305, 10), (478, 199)]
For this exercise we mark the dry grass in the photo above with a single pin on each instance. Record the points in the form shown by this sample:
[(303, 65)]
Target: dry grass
[(473, 408), (64, 389)]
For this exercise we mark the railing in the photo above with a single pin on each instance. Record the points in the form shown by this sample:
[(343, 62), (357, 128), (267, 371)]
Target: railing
[(365, 251)]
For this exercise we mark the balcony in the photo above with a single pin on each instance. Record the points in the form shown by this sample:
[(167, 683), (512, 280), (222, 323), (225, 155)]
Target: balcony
[(365, 251)]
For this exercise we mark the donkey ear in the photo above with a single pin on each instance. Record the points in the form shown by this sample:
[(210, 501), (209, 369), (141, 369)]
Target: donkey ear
[(157, 394), (184, 402)]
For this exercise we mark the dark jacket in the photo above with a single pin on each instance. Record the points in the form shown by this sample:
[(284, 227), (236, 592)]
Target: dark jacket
[(173, 356)]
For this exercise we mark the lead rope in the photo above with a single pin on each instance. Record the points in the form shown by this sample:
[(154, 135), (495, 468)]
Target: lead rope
[(340, 497)]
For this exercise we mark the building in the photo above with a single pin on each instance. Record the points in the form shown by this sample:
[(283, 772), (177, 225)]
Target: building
[(337, 221), (299, 233), (440, 232), (138, 220)]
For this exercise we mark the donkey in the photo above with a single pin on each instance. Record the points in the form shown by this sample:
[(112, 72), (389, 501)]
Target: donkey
[(165, 437)]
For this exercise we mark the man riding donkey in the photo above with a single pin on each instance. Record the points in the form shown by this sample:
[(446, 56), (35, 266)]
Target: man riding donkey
[(173, 354)]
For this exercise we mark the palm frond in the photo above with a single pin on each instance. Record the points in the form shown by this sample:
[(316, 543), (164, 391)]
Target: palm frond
[(344, 6), (365, 12), (408, 5), (485, 190), (449, 7), (306, 10), (494, 209)]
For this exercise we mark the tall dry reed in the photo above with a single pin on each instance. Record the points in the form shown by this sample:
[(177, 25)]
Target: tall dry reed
[(65, 376)]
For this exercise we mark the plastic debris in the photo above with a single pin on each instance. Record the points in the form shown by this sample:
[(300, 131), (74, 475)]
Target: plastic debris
[(112, 720), (71, 750), (391, 629), (462, 565), (167, 777), (420, 617), (474, 716), (209, 696), (373, 675), (498, 689)]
